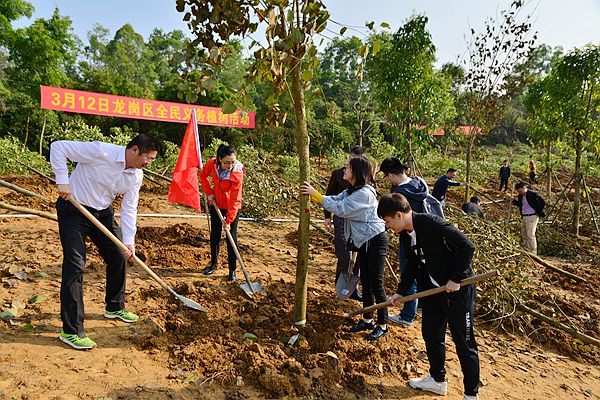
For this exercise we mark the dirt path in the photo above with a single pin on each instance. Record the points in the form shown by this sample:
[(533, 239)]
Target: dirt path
[(182, 354)]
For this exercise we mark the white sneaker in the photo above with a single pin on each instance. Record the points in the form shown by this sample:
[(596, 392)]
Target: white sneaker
[(429, 384), (467, 397), (397, 319)]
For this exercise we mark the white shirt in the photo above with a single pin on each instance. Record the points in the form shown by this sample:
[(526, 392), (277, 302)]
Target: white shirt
[(98, 178), (413, 244)]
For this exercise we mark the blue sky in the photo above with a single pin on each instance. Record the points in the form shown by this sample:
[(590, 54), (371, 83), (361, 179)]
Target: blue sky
[(569, 24)]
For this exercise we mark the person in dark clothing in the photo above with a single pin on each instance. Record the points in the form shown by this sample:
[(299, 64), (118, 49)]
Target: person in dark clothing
[(532, 172), (415, 190), (440, 255), (472, 207), (504, 175), (441, 185), (337, 185), (531, 206)]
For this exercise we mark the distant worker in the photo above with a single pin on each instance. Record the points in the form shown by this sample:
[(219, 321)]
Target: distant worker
[(504, 175), (531, 205), (337, 185), (472, 207), (532, 172), (441, 185)]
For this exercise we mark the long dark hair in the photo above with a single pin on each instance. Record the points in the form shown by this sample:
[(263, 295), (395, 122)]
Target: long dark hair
[(225, 150), (362, 171)]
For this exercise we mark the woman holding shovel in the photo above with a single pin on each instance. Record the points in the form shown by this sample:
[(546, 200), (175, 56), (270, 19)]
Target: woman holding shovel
[(365, 232), (227, 174)]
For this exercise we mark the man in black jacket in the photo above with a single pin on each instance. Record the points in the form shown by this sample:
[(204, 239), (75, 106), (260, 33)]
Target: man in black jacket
[(531, 206), (440, 255), (504, 175), (337, 185)]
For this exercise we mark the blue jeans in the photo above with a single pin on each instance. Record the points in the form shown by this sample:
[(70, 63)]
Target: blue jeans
[(409, 311)]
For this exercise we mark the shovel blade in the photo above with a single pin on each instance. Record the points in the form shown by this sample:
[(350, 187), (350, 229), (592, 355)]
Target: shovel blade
[(191, 303), (346, 285), (251, 289)]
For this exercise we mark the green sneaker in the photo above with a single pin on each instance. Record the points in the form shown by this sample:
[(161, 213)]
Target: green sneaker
[(76, 342), (123, 315)]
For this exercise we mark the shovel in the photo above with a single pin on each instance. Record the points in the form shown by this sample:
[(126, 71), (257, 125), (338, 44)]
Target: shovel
[(464, 282), (249, 287), (186, 302), (347, 280)]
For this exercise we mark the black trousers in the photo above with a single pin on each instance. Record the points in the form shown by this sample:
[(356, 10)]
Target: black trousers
[(73, 229), (371, 259), (503, 183), (457, 310), (216, 228)]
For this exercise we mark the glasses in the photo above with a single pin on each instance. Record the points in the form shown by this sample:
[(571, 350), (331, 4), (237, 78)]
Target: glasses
[(148, 159)]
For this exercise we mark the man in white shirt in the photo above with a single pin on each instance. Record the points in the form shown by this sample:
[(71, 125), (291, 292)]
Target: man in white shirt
[(103, 171)]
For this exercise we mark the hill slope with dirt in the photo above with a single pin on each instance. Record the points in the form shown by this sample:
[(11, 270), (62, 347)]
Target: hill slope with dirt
[(179, 353)]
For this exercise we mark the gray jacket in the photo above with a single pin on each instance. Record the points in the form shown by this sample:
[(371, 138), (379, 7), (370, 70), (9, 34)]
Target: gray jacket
[(359, 211)]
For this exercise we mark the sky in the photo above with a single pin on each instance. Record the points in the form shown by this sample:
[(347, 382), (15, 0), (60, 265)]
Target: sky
[(569, 24)]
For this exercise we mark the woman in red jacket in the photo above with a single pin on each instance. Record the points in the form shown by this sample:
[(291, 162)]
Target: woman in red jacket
[(227, 174)]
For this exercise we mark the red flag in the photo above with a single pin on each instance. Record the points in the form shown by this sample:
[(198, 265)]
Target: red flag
[(184, 188)]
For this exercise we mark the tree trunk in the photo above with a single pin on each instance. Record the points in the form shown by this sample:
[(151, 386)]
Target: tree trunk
[(577, 184), (26, 130), (360, 134), (42, 134), (302, 144), (470, 144), (549, 170)]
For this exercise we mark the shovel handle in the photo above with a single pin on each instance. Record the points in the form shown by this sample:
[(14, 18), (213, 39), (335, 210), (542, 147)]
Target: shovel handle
[(119, 244), (235, 249), (468, 281)]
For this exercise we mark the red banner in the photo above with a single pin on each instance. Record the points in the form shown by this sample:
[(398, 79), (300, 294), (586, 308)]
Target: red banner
[(83, 102)]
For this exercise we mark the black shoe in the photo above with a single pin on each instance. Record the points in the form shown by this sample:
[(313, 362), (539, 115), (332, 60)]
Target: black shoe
[(231, 277), (356, 296), (377, 333), (209, 270), (362, 326)]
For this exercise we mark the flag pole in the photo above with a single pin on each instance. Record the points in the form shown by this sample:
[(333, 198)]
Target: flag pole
[(197, 138)]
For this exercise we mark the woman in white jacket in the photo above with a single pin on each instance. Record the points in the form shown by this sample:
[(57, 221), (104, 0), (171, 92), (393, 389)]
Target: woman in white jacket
[(365, 231)]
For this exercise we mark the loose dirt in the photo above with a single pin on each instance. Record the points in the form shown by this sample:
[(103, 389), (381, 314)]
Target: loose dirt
[(178, 353)]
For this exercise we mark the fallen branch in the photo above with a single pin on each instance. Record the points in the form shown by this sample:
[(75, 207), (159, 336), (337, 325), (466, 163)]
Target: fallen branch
[(21, 190), (571, 331), (158, 175), (554, 268), (37, 172), (28, 211)]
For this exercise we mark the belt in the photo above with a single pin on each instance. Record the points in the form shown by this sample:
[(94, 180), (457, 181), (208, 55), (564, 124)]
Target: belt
[(528, 215)]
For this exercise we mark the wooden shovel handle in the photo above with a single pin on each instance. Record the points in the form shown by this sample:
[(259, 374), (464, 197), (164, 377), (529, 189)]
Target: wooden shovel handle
[(235, 249), (118, 242), (464, 282)]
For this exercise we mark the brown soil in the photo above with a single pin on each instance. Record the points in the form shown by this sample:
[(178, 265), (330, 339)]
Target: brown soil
[(175, 352)]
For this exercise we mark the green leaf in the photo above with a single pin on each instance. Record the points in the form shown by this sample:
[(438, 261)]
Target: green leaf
[(385, 25), (370, 25), (40, 275), (189, 379), (6, 315), (27, 328), (38, 298), (250, 336), (376, 47), (364, 49), (307, 75), (228, 107), (343, 30)]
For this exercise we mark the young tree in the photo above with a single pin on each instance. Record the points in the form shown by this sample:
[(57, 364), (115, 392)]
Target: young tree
[(286, 60), (408, 87), (566, 103), (503, 43)]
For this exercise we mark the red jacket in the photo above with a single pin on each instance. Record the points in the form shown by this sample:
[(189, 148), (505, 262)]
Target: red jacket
[(228, 192)]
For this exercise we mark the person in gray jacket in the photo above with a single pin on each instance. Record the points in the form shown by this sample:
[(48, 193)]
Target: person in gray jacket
[(365, 232)]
